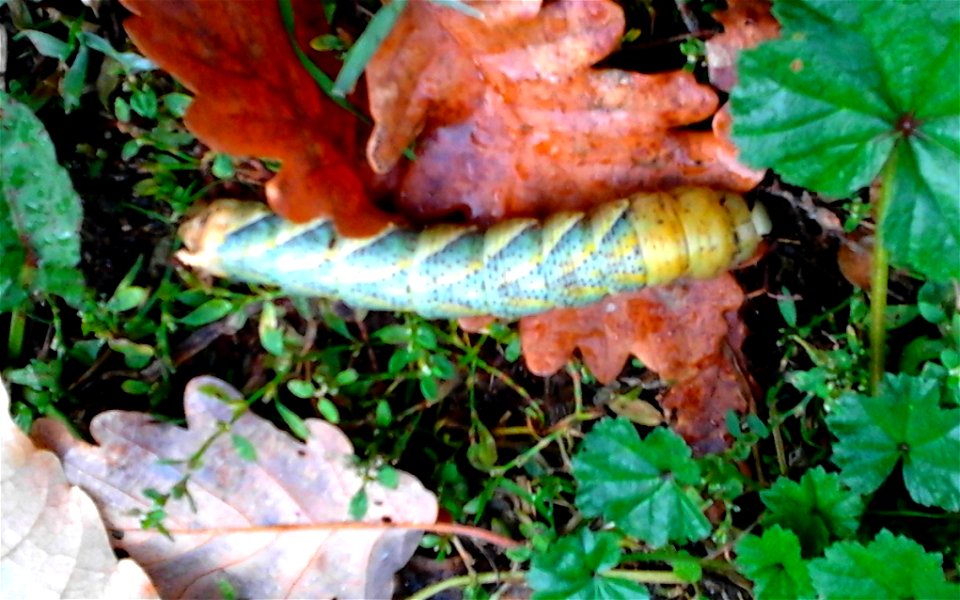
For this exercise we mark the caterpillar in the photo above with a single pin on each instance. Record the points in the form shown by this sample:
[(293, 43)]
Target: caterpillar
[(516, 268)]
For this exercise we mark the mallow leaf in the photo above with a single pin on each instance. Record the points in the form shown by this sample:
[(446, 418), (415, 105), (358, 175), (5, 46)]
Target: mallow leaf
[(818, 509), (888, 567), (847, 89), (903, 423), (773, 562), (574, 566), (644, 486)]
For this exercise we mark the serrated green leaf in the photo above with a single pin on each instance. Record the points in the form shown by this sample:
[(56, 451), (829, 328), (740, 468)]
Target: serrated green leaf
[(846, 88), (905, 422), (574, 566), (643, 486), (40, 213), (888, 567), (773, 562), (817, 509)]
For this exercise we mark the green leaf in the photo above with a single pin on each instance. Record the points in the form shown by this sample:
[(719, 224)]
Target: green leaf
[(136, 356), (888, 567), (301, 388), (482, 452), (645, 487), (271, 335), (383, 413), (817, 509), (40, 213), (394, 334), (356, 59), (121, 109), (328, 410), (127, 297), (574, 567), (144, 103), (46, 44), (358, 504), (131, 62), (843, 91), (176, 103), (293, 421), (244, 447), (388, 477), (773, 562), (75, 80), (208, 312), (905, 422)]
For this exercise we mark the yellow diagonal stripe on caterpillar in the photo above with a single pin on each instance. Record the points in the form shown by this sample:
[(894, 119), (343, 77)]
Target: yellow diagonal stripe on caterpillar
[(516, 268)]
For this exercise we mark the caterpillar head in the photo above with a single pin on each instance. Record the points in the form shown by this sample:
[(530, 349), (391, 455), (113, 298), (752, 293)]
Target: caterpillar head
[(204, 233)]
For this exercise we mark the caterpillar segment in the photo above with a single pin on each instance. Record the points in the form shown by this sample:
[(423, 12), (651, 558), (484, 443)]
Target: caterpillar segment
[(516, 268)]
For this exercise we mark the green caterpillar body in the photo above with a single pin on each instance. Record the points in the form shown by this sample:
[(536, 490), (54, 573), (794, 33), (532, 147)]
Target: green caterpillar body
[(516, 268)]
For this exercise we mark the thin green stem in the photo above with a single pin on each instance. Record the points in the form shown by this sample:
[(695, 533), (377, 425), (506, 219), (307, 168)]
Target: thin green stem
[(18, 322), (879, 277), (465, 580), (662, 577)]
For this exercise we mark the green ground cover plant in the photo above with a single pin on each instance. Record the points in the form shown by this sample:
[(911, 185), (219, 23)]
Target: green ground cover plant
[(844, 483)]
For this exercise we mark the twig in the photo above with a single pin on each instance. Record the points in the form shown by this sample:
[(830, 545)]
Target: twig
[(440, 528)]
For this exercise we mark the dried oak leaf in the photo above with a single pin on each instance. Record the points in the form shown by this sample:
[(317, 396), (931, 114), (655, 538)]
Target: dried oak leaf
[(54, 543), (253, 97), (688, 333), (746, 23), (510, 119), (236, 533)]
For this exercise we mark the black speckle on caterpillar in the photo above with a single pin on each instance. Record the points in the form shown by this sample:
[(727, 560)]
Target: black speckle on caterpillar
[(516, 268)]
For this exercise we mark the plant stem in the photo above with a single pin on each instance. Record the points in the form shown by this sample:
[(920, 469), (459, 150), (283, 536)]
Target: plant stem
[(880, 268), (662, 577), (18, 321), (465, 580)]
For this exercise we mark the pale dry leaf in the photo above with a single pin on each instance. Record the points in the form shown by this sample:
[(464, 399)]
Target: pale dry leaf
[(235, 535), (54, 543)]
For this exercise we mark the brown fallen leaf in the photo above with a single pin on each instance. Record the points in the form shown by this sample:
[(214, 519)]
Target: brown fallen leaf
[(54, 543), (253, 97), (855, 258), (511, 119), (237, 533), (682, 332), (746, 23)]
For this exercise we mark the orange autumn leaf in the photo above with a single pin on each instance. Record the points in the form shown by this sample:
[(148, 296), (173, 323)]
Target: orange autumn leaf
[(746, 23), (510, 117), (688, 333), (253, 97)]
